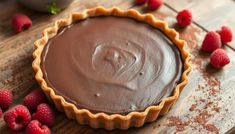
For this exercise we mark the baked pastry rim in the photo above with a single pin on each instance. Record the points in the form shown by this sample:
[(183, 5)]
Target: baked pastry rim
[(97, 120)]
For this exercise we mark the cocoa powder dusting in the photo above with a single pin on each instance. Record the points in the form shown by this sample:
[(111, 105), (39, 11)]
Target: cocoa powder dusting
[(178, 123), (198, 121), (216, 109), (211, 128), (193, 106), (202, 117), (206, 105)]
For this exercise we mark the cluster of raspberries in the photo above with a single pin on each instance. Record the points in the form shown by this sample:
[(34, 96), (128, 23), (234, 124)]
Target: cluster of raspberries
[(213, 42), (34, 114)]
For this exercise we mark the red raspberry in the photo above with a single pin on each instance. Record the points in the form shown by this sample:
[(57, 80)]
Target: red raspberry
[(45, 115), (184, 18), (35, 127), (0, 113), (33, 99), (211, 42), (154, 4), (219, 58), (139, 2), (21, 22), (226, 34), (17, 117), (5, 98)]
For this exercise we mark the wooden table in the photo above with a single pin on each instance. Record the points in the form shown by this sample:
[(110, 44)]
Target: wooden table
[(206, 105)]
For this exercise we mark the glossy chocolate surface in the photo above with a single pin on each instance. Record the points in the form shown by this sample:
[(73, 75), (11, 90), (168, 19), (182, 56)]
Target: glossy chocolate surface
[(111, 65)]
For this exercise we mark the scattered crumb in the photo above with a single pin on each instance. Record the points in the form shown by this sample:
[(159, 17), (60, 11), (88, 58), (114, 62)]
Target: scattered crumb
[(178, 123), (211, 128), (193, 106)]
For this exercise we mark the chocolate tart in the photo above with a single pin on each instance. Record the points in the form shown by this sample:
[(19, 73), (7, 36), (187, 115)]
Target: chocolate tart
[(110, 68)]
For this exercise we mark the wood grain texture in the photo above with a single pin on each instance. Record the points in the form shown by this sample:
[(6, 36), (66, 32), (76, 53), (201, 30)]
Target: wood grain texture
[(16, 72)]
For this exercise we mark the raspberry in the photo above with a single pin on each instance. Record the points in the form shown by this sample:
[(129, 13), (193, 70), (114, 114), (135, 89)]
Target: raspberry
[(17, 117), (226, 34), (219, 58), (211, 42), (35, 127), (5, 98), (154, 4), (139, 2), (33, 99), (20, 22), (184, 18), (45, 115), (0, 113)]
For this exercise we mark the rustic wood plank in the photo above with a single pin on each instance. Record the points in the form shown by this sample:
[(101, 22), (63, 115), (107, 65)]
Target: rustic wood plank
[(15, 66)]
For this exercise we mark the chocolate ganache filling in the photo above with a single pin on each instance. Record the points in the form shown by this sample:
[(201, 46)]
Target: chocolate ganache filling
[(111, 65)]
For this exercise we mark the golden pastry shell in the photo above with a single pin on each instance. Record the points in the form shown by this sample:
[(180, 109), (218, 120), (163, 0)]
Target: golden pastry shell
[(103, 120)]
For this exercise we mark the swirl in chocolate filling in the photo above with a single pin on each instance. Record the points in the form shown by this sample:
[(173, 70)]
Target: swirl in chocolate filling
[(111, 65)]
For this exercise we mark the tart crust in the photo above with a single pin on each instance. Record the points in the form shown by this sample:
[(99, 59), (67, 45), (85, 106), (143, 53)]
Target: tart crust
[(103, 120)]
